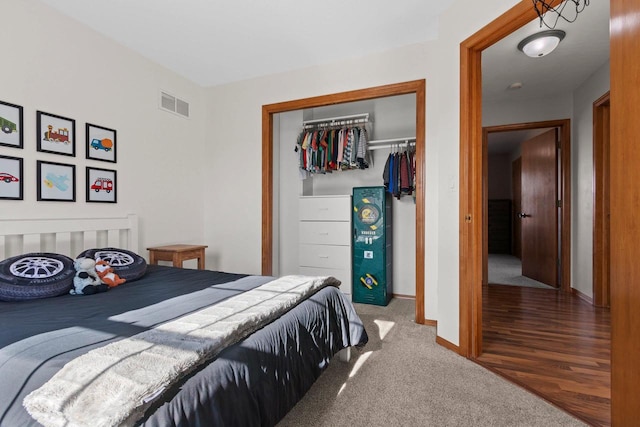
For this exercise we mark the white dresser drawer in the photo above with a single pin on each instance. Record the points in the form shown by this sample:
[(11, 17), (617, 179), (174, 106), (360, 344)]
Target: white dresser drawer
[(325, 233), (325, 256), (325, 208), (344, 275)]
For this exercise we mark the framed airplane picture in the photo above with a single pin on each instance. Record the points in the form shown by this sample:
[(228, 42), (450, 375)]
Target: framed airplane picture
[(56, 182)]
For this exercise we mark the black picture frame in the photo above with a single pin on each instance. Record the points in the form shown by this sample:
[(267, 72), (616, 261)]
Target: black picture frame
[(101, 185), (55, 134), (11, 125), (101, 143), (11, 178), (56, 182)]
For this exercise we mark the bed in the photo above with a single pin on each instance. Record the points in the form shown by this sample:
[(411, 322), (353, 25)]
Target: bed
[(253, 379)]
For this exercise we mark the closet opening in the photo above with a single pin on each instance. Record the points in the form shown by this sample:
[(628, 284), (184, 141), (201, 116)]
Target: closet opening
[(396, 120)]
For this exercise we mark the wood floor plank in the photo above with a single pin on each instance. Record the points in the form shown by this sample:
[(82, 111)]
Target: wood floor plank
[(552, 343)]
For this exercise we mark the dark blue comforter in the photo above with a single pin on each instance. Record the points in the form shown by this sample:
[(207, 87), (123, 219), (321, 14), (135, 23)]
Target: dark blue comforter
[(254, 382)]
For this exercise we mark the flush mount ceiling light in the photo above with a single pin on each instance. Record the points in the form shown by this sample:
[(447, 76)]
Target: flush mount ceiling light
[(542, 43)]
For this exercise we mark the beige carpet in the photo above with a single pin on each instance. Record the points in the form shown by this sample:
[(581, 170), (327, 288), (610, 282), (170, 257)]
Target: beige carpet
[(406, 379)]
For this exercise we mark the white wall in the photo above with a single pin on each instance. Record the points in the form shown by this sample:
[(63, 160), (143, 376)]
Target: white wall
[(582, 178), (232, 214), (57, 65), (499, 176)]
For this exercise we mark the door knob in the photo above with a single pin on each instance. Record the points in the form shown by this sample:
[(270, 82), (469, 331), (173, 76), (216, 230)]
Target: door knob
[(522, 215)]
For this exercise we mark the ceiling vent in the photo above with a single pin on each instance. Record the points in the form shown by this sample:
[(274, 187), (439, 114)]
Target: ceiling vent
[(173, 104)]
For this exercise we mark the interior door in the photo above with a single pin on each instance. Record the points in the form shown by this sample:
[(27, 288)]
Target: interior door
[(538, 217)]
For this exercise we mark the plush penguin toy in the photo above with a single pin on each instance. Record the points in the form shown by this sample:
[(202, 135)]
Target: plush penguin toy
[(86, 280)]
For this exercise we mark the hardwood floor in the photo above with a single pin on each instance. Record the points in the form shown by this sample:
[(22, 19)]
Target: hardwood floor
[(553, 344)]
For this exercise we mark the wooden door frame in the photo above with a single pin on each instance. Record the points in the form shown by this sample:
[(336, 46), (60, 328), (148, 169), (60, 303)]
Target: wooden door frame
[(417, 87), (601, 235), (564, 131), (624, 233)]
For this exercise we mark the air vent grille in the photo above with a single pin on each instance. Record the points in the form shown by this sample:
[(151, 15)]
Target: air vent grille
[(173, 104)]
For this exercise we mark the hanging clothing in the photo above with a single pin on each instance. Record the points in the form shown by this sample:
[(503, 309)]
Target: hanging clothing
[(327, 150)]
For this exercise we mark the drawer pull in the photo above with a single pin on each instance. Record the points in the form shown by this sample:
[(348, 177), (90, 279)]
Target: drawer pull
[(323, 209), (323, 256), (324, 233)]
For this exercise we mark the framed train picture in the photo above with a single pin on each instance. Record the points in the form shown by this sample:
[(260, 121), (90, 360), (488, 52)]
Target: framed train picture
[(102, 185), (56, 134), (101, 143), (11, 129)]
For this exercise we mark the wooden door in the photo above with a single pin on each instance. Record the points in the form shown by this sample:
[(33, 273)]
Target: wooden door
[(602, 211), (538, 217), (516, 185)]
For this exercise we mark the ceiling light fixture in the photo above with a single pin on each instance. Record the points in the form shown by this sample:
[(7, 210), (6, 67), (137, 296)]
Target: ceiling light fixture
[(542, 43)]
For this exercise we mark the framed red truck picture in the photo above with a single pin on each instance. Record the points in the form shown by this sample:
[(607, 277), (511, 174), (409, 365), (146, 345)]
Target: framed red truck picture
[(102, 185), (101, 143)]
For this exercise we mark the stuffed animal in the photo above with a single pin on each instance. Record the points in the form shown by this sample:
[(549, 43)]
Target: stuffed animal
[(106, 274), (86, 280)]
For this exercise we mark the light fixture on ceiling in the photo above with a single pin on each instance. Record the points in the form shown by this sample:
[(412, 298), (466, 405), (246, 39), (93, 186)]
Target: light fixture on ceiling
[(542, 43)]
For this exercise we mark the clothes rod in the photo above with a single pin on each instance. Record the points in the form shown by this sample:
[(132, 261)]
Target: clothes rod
[(381, 146), (363, 116), (384, 141)]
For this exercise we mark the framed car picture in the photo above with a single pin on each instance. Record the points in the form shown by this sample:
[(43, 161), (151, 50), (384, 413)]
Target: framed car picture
[(11, 128), (56, 182), (101, 143), (102, 185), (11, 186), (56, 134)]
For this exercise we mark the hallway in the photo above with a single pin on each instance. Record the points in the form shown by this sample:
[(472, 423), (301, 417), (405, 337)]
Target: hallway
[(553, 344)]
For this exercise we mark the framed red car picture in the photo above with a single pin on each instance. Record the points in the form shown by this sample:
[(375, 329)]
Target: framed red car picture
[(11, 186), (102, 185)]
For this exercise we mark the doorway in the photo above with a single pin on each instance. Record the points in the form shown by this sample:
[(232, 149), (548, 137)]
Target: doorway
[(623, 198), (601, 204), (417, 87), (564, 197)]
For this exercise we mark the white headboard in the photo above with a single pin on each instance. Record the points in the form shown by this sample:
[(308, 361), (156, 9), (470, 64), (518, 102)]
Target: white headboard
[(68, 236)]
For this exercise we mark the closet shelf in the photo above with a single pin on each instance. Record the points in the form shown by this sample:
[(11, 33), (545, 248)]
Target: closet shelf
[(337, 121), (378, 144)]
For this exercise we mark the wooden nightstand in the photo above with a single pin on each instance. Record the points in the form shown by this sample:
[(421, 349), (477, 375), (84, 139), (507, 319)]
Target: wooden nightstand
[(177, 254)]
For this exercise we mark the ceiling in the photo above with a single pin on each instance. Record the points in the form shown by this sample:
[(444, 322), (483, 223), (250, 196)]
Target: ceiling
[(213, 42), (584, 49)]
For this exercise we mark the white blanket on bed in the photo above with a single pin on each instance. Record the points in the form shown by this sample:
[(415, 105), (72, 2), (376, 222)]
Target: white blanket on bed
[(114, 385)]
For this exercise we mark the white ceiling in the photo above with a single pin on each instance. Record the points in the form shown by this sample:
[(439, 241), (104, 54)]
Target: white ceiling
[(214, 42), (584, 49)]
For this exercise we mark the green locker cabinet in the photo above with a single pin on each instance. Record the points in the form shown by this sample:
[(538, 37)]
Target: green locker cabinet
[(372, 249)]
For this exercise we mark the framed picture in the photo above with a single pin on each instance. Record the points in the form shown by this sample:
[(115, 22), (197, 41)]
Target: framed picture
[(11, 178), (56, 134), (101, 143), (102, 185), (56, 182), (11, 129)]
